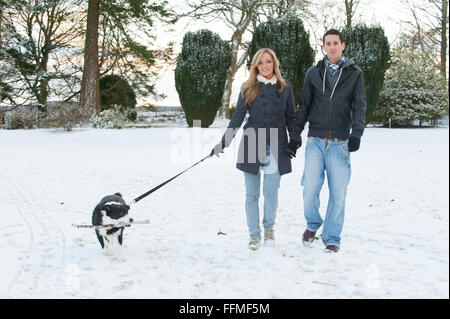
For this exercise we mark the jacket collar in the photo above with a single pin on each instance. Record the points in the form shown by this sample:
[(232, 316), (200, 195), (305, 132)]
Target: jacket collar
[(347, 69), (262, 79)]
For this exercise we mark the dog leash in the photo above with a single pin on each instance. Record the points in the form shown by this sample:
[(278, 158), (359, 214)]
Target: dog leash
[(127, 224), (164, 183)]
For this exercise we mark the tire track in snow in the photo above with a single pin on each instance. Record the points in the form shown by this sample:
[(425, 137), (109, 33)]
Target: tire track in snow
[(30, 246), (55, 225), (36, 268)]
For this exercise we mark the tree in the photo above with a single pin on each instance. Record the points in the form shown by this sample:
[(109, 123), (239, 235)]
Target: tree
[(333, 14), (369, 48), (131, 56), (90, 84), (444, 36), (115, 91), (126, 47), (2, 8), (241, 17), (290, 41), (238, 15), (5, 88), (286, 8), (429, 29), (200, 75), (350, 11), (413, 90), (33, 33)]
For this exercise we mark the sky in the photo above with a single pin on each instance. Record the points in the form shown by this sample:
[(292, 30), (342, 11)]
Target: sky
[(390, 14)]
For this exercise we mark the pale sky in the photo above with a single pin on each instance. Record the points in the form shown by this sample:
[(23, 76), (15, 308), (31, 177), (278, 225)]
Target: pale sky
[(388, 13)]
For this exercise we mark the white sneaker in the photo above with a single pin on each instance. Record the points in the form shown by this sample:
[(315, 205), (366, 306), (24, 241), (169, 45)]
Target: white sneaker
[(269, 237), (254, 243)]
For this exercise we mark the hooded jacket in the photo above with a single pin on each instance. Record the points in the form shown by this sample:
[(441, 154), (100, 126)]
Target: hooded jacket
[(332, 111)]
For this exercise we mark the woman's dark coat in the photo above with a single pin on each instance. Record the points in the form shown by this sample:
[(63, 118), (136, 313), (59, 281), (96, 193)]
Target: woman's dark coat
[(271, 112)]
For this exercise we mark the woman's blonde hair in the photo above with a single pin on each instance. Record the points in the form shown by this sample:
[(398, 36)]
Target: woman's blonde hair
[(250, 89)]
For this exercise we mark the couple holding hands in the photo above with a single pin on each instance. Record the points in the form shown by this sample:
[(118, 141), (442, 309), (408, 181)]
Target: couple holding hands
[(333, 101)]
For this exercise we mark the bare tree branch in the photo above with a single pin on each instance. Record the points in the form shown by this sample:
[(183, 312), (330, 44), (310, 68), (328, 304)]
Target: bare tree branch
[(428, 29)]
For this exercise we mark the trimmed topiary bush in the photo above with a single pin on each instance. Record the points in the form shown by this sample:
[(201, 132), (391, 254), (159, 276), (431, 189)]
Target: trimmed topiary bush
[(200, 75), (369, 48), (290, 41)]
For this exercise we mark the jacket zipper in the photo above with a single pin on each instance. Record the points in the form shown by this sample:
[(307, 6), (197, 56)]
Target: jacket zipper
[(329, 134), (331, 97)]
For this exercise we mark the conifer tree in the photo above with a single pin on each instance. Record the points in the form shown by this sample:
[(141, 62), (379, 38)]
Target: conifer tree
[(413, 90), (290, 41), (115, 91), (122, 17), (369, 48), (200, 75)]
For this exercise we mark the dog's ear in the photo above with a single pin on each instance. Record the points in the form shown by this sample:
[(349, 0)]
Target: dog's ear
[(118, 194)]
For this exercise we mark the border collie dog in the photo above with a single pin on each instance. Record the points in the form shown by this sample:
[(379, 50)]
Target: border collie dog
[(112, 209)]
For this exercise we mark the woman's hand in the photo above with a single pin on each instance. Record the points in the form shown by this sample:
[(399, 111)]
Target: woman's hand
[(292, 147), (218, 149)]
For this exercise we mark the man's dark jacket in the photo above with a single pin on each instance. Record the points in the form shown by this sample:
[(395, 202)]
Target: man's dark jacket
[(332, 114)]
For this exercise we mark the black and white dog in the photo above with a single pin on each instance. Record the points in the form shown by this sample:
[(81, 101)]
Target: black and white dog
[(112, 209)]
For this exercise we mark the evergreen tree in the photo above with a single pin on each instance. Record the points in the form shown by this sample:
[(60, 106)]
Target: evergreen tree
[(290, 41), (413, 90), (90, 84), (369, 48), (32, 34), (119, 20), (242, 17), (116, 91), (200, 75)]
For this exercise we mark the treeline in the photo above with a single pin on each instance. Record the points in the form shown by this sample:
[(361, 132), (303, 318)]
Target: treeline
[(99, 54), (62, 48), (409, 84)]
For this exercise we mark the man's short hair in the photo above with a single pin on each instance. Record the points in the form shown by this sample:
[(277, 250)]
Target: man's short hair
[(333, 31)]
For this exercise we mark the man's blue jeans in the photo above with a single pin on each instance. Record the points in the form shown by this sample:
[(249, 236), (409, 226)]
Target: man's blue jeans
[(334, 158), (270, 191)]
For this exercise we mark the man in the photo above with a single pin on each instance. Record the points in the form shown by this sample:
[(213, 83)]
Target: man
[(333, 101)]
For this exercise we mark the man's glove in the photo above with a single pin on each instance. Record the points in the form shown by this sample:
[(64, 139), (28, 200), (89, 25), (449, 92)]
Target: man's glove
[(218, 149), (353, 143), (293, 146)]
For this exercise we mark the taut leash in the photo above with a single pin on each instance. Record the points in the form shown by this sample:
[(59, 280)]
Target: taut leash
[(169, 180)]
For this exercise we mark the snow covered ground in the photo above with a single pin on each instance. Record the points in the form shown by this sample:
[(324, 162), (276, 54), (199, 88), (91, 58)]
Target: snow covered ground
[(395, 242)]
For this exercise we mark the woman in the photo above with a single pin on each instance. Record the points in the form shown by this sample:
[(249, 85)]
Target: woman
[(269, 102)]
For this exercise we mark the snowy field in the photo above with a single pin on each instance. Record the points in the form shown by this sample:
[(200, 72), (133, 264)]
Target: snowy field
[(395, 242)]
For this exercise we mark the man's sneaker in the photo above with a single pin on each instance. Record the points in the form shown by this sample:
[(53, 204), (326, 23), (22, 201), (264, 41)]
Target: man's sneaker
[(254, 243), (332, 249), (269, 237), (308, 238)]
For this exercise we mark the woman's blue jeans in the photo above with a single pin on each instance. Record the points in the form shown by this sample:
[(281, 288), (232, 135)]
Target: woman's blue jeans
[(270, 191)]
